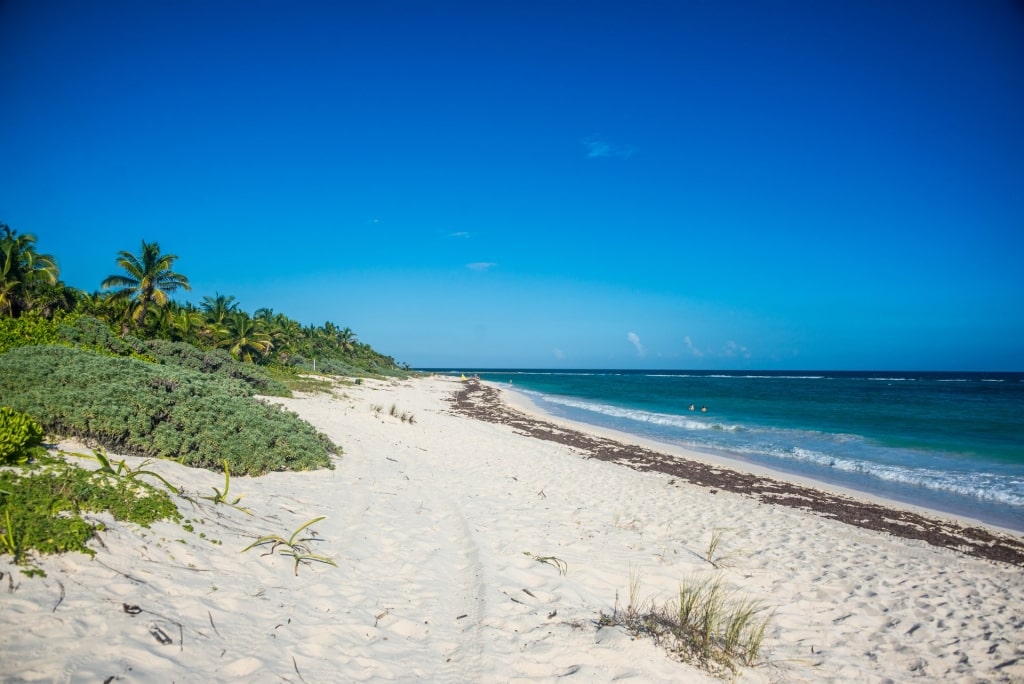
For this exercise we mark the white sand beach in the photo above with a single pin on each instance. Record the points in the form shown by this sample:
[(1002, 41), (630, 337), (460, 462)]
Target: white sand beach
[(438, 528)]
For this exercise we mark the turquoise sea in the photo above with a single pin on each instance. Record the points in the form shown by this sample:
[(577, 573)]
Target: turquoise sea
[(953, 442)]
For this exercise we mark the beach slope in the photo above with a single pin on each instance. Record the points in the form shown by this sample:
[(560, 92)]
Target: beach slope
[(472, 551)]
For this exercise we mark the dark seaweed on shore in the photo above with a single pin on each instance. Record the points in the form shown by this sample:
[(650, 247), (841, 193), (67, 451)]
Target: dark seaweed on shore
[(484, 403)]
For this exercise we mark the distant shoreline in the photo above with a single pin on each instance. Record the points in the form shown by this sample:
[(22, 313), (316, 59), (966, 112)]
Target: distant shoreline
[(943, 442), (493, 403), (795, 372)]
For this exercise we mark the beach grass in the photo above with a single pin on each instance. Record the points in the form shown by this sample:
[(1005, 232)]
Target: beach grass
[(553, 561), (394, 412), (715, 554), (706, 625), (302, 382)]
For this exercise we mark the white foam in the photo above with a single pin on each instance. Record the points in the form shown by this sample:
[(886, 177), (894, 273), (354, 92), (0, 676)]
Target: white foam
[(981, 486), (782, 444), (651, 418)]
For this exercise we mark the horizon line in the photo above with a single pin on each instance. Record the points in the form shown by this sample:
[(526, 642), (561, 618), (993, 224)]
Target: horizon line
[(506, 369)]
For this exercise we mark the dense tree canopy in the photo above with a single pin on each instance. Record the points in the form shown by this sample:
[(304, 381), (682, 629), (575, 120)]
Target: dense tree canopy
[(139, 299), (27, 278)]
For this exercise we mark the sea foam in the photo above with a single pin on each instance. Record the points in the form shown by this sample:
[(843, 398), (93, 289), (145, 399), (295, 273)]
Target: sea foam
[(780, 447)]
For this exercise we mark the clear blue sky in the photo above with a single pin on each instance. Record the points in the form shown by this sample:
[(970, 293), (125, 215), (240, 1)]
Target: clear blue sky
[(730, 185)]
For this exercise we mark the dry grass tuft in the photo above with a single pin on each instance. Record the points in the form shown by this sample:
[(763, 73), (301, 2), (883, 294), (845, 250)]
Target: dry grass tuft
[(707, 625)]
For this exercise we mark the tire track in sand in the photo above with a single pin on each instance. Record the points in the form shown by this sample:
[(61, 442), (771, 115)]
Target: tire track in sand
[(411, 575)]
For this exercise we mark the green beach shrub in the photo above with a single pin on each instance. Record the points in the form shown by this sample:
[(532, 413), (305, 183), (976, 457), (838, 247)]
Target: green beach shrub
[(25, 330), (21, 437), (328, 367), (73, 330), (144, 409), (93, 334), (350, 367), (215, 362)]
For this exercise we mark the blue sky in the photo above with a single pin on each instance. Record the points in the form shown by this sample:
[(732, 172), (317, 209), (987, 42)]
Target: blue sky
[(764, 185)]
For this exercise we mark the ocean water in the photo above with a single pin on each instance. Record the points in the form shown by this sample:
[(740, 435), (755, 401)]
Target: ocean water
[(953, 442)]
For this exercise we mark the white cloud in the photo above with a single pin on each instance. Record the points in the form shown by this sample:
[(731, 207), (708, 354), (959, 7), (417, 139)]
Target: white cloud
[(596, 147), (732, 349), (693, 350), (635, 340), (460, 234), (481, 265), (559, 354)]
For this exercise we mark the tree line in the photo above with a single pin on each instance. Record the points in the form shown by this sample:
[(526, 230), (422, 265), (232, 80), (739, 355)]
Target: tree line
[(137, 301)]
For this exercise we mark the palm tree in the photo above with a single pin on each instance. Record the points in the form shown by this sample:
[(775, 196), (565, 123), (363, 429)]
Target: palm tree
[(290, 330), (329, 330), (246, 339), (103, 305), (22, 270), (47, 299), (288, 336), (148, 281), (346, 340), (186, 323), (218, 308)]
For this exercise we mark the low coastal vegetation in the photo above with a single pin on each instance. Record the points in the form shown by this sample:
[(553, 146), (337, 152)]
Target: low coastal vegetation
[(145, 409), (21, 438), (403, 416), (129, 370), (295, 546), (553, 561), (43, 506), (707, 624)]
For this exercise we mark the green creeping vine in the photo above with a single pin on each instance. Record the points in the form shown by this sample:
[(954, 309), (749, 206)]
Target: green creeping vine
[(296, 548), (42, 507)]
